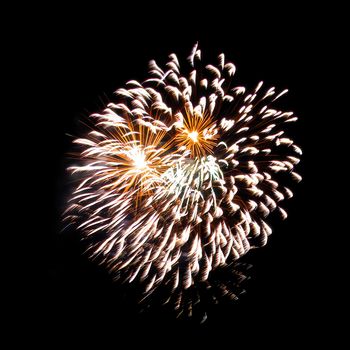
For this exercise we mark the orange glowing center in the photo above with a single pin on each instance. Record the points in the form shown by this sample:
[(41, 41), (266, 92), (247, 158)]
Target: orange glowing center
[(193, 136)]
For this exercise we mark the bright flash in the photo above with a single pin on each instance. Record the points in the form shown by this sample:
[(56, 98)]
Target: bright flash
[(140, 161), (193, 136)]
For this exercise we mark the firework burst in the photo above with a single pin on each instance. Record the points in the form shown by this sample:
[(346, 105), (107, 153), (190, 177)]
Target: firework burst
[(178, 176)]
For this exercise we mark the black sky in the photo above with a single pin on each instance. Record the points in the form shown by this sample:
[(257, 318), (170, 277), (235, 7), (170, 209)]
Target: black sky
[(75, 62)]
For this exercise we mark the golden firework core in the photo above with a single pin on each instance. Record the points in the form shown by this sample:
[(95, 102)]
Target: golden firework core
[(193, 136), (140, 161), (200, 141)]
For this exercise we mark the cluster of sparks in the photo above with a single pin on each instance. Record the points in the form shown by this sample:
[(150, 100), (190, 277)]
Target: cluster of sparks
[(177, 177)]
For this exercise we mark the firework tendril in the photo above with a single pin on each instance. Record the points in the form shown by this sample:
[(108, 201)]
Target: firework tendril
[(178, 176)]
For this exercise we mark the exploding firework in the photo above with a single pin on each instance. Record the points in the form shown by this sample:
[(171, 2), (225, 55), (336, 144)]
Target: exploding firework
[(178, 175)]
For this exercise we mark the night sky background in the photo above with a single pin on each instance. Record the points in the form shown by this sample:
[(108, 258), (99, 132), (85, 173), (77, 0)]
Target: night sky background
[(75, 63)]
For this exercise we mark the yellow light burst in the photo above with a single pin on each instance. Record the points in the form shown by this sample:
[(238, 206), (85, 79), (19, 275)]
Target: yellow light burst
[(198, 134)]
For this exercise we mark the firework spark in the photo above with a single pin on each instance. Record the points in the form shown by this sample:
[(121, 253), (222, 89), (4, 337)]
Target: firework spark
[(178, 176)]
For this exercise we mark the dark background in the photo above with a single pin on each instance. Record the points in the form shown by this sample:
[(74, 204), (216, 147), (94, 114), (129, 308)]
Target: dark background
[(75, 61)]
